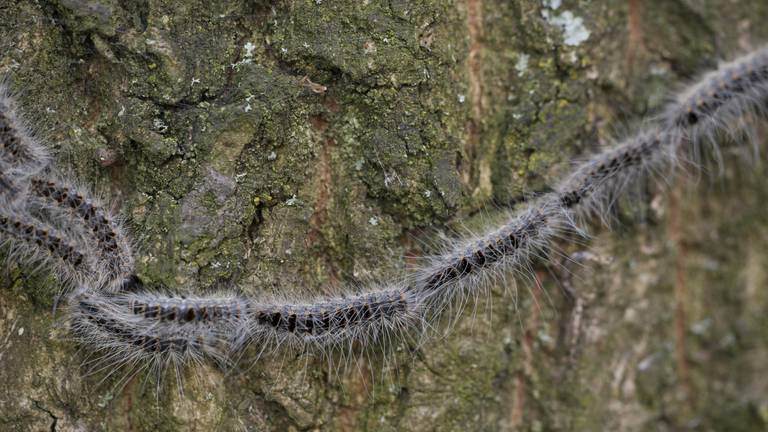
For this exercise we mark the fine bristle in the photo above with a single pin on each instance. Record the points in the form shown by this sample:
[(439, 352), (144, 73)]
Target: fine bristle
[(28, 239), (337, 323), (12, 185), (33, 194), (18, 145), (469, 266), (596, 185), (80, 207), (119, 338), (725, 103)]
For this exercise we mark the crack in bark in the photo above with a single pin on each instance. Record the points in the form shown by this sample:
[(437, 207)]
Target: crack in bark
[(54, 420)]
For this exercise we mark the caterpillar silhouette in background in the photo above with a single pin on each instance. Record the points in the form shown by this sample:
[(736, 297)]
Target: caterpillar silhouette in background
[(45, 218)]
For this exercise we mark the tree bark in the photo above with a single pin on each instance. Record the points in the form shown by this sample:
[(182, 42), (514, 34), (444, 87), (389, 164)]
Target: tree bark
[(305, 146)]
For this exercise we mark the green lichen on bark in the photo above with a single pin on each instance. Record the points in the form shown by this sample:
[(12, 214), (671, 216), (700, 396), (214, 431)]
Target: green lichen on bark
[(303, 145)]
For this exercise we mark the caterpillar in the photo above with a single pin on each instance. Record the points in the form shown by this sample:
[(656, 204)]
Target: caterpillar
[(53, 215), (167, 331), (42, 242), (18, 145), (81, 208), (128, 324), (124, 332)]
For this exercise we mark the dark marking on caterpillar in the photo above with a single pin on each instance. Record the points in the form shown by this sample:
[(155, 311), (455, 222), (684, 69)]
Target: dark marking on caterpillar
[(44, 239), (8, 185), (591, 175), (183, 310), (325, 317), (17, 146), (115, 248), (10, 141), (717, 89)]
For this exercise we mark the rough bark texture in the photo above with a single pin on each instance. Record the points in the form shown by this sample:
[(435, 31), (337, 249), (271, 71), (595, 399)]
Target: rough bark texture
[(304, 145)]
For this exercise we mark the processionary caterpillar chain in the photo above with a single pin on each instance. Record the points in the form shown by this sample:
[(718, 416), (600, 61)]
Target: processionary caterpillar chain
[(113, 314)]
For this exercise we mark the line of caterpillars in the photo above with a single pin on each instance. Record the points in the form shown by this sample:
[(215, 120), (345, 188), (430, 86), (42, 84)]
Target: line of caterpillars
[(310, 319), (494, 249), (520, 234), (705, 101)]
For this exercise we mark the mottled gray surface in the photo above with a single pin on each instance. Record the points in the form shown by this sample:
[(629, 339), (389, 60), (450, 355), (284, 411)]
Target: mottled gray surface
[(304, 145)]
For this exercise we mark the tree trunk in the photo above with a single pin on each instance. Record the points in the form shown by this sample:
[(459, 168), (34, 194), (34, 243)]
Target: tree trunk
[(305, 146)]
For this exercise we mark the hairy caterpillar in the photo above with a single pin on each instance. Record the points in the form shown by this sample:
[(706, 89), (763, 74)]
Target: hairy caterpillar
[(720, 99), (124, 332), (44, 243), (18, 145), (32, 192), (143, 329), (150, 329), (115, 250)]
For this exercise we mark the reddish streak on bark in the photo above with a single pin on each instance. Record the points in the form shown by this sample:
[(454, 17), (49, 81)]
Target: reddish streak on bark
[(521, 376), (324, 185), (516, 418), (635, 31), (127, 403), (474, 63), (320, 214), (676, 233)]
